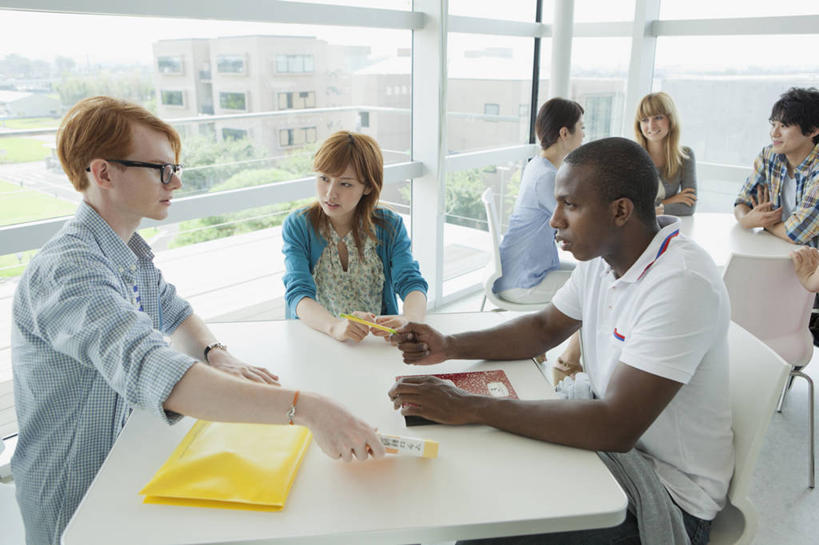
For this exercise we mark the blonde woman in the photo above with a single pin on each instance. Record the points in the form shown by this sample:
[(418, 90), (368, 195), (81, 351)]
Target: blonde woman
[(657, 129), (345, 254)]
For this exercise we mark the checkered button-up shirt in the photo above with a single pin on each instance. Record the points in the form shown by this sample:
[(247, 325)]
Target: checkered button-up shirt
[(83, 355), (771, 170)]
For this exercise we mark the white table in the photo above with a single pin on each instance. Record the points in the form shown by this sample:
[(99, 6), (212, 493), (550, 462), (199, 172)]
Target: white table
[(720, 235), (484, 483)]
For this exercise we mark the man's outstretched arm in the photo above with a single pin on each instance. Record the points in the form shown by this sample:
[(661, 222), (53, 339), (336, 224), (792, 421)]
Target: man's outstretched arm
[(521, 338)]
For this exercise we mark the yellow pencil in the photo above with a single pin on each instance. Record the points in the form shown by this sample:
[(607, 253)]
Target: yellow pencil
[(371, 324)]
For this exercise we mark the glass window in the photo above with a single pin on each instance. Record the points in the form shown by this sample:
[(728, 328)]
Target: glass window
[(294, 64), (405, 5), (173, 98), (285, 101), (170, 65), (230, 64), (204, 72), (488, 78), (297, 100), (233, 101), (595, 11), (467, 246), (297, 137), (342, 71), (514, 10), (724, 88), (598, 115), (708, 9), (599, 73), (233, 134)]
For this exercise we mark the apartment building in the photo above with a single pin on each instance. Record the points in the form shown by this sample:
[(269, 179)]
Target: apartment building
[(253, 74), (182, 76)]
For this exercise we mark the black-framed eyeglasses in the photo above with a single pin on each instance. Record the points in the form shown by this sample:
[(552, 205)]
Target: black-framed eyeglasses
[(166, 170)]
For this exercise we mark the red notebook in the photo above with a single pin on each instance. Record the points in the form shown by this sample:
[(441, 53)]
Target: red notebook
[(493, 383)]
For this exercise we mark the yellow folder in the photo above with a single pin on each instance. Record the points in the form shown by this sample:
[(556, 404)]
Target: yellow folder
[(231, 466)]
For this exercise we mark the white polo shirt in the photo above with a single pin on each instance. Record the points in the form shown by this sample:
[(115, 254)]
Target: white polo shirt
[(667, 315)]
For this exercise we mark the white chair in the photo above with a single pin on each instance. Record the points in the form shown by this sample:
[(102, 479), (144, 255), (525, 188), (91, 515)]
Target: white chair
[(768, 300), (12, 530), (495, 270), (757, 375)]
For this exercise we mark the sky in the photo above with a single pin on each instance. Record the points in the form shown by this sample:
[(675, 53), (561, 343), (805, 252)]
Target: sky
[(92, 39)]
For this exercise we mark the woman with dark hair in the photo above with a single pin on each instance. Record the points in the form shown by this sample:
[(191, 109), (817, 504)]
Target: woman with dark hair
[(345, 254), (532, 271)]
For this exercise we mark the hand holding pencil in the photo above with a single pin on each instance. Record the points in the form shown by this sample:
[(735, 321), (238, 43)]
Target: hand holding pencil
[(381, 326)]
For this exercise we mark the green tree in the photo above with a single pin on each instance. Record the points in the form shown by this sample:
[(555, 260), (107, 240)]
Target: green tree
[(130, 84), (225, 225), (463, 199), (203, 150), (209, 162)]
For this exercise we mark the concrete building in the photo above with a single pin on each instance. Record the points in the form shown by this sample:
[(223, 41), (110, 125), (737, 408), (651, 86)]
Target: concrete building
[(249, 74), (182, 76), (21, 104)]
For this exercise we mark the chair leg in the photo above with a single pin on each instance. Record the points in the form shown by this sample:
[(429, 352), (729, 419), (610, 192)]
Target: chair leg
[(785, 389), (483, 303), (796, 373)]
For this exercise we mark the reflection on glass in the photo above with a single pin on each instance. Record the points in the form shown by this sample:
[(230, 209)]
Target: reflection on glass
[(489, 91), (467, 246), (725, 86), (187, 71), (598, 82)]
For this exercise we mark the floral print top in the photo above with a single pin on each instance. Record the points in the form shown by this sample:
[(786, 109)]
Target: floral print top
[(359, 287)]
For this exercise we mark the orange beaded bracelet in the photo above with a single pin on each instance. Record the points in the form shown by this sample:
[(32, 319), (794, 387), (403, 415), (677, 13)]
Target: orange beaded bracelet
[(291, 412)]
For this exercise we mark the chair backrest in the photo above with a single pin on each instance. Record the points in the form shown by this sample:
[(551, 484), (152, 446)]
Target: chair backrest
[(768, 300), (12, 531), (492, 219), (757, 375)]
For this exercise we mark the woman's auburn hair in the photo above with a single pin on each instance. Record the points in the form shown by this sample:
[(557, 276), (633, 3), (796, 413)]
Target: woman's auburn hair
[(101, 128), (360, 151), (660, 103)]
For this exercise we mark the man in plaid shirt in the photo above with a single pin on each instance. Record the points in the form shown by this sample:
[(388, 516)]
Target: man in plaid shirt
[(782, 194), (89, 322)]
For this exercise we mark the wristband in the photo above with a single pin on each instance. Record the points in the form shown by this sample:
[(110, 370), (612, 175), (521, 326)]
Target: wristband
[(211, 346), (291, 412)]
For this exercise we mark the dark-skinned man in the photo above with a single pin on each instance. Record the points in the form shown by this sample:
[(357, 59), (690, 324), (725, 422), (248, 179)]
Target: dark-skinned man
[(654, 315)]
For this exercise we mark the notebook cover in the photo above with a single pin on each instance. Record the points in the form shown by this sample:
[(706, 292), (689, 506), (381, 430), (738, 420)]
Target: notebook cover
[(493, 383)]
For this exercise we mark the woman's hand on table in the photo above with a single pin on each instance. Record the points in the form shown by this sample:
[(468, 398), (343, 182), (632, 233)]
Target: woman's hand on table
[(337, 432), (421, 344), (687, 196), (393, 322), (434, 399), (230, 364), (344, 329)]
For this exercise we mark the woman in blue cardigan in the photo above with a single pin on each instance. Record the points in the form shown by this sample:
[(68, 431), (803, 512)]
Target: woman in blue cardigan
[(344, 254)]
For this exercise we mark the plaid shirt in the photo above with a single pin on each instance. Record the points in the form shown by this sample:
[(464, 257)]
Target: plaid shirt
[(771, 169), (84, 354)]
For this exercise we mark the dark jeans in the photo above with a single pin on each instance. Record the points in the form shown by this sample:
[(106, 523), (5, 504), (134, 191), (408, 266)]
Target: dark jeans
[(624, 534)]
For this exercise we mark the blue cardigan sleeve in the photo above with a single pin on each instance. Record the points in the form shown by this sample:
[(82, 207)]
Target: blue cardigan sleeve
[(296, 247), (404, 271)]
